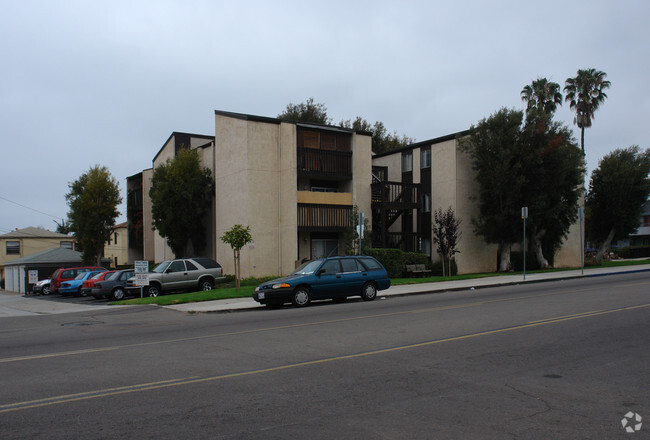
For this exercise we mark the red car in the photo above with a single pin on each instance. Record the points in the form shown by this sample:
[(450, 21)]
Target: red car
[(88, 284), (68, 273)]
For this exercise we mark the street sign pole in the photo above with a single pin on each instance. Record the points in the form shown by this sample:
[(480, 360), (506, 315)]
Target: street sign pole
[(581, 216), (524, 215)]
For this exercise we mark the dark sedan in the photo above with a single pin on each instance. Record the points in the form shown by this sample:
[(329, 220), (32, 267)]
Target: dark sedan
[(113, 286), (336, 278)]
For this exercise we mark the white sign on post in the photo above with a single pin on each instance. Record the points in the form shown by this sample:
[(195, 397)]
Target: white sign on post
[(141, 273)]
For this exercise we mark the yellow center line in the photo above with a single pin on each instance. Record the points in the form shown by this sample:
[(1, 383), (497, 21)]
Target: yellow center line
[(195, 380)]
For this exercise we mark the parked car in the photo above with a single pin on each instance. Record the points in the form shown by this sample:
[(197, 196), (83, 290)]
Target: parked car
[(42, 287), (69, 273), (181, 274), (335, 278), (74, 286), (87, 285), (113, 285)]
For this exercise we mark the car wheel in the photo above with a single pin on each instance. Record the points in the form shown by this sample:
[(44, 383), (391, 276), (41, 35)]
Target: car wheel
[(274, 305), (153, 291), (206, 285), (301, 297), (369, 292), (118, 294), (46, 290)]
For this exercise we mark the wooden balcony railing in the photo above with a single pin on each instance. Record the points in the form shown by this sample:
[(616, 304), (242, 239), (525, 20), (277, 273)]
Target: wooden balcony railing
[(324, 217), (328, 163)]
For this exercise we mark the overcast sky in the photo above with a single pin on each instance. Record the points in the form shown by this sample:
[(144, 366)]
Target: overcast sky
[(89, 82)]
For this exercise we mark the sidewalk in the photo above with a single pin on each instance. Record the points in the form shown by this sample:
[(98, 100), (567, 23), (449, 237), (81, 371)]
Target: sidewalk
[(15, 304), (235, 304)]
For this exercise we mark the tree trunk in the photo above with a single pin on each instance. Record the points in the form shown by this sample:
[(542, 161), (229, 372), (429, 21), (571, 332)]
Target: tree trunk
[(505, 265), (582, 139), (537, 248), (234, 252), (604, 246)]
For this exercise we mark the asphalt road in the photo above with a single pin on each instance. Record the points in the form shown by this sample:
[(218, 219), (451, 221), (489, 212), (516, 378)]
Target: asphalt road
[(554, 360)]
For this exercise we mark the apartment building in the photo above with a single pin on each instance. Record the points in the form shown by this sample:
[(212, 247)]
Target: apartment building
[(296, 184), (412, 182)]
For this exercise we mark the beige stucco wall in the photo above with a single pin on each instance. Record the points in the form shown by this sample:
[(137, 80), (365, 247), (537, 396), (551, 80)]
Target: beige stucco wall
[(569, 255), (162, 251), (475, 254), (362, 174), (148, 235), (256, 187), (117, 250)]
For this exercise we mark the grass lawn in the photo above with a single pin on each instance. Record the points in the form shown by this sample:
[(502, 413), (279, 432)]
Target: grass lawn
[(227, 290)]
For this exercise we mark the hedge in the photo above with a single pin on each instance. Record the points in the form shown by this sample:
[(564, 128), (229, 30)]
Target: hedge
[(634, 252)]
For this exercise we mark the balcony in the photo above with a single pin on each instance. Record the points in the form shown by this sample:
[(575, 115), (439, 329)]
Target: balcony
[(325, 163), (324, 198), (324, 217)]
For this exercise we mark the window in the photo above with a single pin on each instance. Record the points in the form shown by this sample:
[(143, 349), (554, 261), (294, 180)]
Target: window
[(370, 263), (177, 266), (350, 265), (13, 248), (190, 266), (426, 202), (425, 158), (407, 162), (331, 267)]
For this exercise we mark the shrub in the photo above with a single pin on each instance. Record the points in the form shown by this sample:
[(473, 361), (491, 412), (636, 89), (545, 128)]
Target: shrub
[(634, 252), (392, 259)]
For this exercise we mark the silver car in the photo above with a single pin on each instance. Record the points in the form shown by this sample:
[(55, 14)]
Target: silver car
[(181, 274)]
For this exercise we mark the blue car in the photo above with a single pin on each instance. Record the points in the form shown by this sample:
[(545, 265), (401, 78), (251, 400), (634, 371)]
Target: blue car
[(74, 286), (335, 278)]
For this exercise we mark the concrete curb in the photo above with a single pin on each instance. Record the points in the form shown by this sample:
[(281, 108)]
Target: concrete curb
[(242, 304)]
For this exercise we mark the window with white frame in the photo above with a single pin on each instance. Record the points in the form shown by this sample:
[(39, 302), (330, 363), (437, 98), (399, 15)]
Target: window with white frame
[(13, 248)]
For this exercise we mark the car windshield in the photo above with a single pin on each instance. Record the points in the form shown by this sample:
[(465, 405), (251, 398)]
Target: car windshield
[(307, 268), (161, 267), (97, 276), (81, 276), (112, 276)]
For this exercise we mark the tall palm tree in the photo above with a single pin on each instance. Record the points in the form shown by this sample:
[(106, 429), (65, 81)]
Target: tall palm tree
[(542, 95), (585, 94)]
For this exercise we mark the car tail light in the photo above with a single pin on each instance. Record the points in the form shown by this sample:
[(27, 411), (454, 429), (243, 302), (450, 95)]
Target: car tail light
[(98, 285)]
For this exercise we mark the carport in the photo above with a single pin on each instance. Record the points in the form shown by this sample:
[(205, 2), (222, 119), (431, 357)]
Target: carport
[(46, 262)]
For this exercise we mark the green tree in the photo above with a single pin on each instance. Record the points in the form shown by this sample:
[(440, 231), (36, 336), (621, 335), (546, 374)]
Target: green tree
[(63, 227), (181, 194), (554, 170), (585, 93), (308, 111), (494, 146), (93, 201), (617, 191), (350, 236), (237, 237), (382, 140), (446, 234), (542, 95)]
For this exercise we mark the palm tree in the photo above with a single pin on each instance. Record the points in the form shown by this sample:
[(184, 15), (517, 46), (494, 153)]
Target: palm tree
[(542, 95), (585, 94)]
